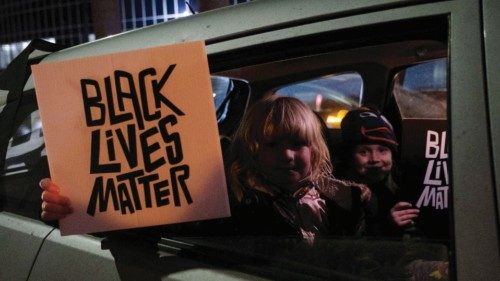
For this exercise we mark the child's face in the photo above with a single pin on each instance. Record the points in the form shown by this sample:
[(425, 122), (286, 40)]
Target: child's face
[(372, 162), (285, 161)]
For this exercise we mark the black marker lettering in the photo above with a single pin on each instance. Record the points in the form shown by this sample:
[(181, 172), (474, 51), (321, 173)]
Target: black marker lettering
[(101, 198), (132, 95), (178, 176), (129, 147), (95, 166), (161, 193), (144, 100), (147, 150), (174, 150), (94, 102), (159, 98), (113, 117)]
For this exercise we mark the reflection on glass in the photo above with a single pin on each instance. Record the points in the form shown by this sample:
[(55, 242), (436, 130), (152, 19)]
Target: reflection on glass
[(331, 96), (421, 90), (26, 146)]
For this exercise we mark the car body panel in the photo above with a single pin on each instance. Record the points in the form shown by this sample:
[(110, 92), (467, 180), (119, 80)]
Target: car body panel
[(491, 10), (82, 255), (88, 257), (21, 240), (472, 179)]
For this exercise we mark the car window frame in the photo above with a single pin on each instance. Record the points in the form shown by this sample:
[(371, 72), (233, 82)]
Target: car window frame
[(466, 93)]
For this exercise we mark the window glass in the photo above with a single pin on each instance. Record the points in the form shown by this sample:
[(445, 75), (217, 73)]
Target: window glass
[(25, 165), (26, 146), (420, 90), (227, 92), (3, 99), (331, 96), (421, 95), (419, 175)]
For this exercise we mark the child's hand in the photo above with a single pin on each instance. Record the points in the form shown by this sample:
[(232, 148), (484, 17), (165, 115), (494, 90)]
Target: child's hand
[(402, 214), (54, 205)]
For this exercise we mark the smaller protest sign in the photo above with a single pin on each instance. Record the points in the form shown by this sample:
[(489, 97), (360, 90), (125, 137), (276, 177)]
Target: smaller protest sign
[(132, 138), (425, 178)]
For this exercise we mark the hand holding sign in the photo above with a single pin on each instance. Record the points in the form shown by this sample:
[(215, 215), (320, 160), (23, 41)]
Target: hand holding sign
[(130, 137), (403, 214), (54, 205)]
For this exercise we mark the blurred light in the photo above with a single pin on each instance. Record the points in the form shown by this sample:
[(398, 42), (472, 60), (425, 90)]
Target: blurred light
[(333, 121), (319, 100)]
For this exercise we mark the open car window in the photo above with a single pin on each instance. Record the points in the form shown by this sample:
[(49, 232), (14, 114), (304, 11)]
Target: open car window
[(331, 82)]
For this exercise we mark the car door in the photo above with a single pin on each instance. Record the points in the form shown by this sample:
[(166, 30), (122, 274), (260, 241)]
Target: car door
[(293, 44)]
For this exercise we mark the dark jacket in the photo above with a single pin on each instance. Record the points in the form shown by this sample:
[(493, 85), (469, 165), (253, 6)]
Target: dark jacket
[(314, 209), (375, 213)]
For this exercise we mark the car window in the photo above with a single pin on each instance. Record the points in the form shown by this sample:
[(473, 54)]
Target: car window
[(335, 80), (25, 162), (330, 96), (420, 90), (421, 95), (27, 138)]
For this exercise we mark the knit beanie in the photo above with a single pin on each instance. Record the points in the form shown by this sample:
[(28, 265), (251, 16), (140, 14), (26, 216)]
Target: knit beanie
[(367, 126)]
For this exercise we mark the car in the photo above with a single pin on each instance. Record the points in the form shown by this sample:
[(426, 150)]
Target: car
[(429, 66)]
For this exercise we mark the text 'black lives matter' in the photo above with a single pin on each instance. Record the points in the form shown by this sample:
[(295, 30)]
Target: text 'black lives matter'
[(125, 182)]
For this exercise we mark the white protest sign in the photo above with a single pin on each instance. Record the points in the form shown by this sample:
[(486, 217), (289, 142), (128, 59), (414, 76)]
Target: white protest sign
[(132, 138)]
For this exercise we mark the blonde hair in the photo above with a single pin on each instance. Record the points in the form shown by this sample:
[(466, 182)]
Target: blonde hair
[(274, 117)]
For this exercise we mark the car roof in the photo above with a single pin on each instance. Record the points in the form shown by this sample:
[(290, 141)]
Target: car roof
[(224, 24)]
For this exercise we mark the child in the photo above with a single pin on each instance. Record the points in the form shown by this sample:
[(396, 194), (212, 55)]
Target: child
[(281, 175), (369, 144)]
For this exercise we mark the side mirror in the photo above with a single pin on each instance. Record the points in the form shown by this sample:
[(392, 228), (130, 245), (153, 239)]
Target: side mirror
[(231, 98)]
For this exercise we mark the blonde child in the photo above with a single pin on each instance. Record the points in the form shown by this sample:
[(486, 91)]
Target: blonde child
[(281, 176)]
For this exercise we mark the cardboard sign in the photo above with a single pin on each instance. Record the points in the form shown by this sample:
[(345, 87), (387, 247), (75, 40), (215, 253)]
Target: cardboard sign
[(132, 138)]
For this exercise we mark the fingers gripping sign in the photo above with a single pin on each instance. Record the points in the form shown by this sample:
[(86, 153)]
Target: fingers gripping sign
[(54, 206), (402, 214)]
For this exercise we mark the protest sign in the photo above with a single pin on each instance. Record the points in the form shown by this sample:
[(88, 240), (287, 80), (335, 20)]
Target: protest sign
[(132, 138), (424, 173)]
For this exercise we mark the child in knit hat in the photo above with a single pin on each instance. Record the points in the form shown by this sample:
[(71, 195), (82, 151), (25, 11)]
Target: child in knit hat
[(368, 148)]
